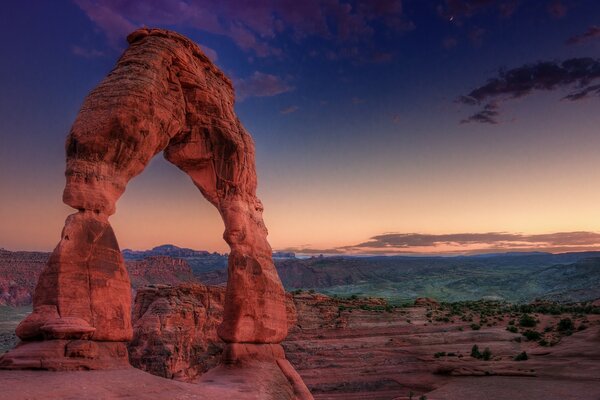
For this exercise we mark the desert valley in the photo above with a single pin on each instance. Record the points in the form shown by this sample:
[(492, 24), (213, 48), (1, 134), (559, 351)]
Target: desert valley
[(357, 346)]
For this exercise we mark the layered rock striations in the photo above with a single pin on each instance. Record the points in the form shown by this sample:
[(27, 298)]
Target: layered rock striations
[(163, 95)]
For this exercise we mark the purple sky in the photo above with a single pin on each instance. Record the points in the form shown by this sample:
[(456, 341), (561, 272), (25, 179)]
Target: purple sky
[(412, 117)]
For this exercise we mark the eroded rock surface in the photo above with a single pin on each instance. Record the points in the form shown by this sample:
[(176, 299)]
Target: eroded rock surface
[(175, 330), (163, 95)]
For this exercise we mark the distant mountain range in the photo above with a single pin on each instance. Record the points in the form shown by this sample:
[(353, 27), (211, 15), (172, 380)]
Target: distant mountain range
[(514, 277)]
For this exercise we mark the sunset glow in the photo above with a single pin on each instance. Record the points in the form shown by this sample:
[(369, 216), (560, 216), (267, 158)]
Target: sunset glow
[(352, 143)]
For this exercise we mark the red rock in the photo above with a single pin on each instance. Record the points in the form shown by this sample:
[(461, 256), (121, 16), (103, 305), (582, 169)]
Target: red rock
[(426, 302), (175, 330), (163, 95)]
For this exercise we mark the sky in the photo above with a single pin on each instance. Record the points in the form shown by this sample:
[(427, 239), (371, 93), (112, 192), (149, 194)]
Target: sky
[(381, 126)]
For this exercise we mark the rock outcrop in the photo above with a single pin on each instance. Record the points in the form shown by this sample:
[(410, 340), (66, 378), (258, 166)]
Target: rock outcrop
[(163, 95), (175, 330)]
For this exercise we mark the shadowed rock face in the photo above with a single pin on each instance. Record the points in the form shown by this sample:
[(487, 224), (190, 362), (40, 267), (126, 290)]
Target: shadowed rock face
[(163, 95)]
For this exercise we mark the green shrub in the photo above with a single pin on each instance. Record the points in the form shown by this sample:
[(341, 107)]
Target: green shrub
[(439, 354), (512, 328), (475, 352), (475, 327), (527, 321), (487, 354), (565, 325), (532, 335), (521, 357)]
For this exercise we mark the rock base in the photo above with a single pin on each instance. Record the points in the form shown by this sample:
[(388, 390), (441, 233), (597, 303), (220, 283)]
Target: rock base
[(245, 354), (66, 355)]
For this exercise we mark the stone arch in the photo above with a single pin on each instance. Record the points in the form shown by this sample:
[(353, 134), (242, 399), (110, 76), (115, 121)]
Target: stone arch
[(163, 95)]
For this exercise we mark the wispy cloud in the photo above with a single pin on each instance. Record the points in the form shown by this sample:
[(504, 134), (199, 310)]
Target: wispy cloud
[(253, 26), (261, 85), (576, 74), (457, 10), (289, 110), (86, 53), (557, 9), (465, 243), (593, 32)]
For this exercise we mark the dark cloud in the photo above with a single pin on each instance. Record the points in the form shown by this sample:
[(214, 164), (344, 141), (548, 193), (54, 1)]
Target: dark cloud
[(252, 25), (592, 33), (575, 74), (486, 116), (261, 85)]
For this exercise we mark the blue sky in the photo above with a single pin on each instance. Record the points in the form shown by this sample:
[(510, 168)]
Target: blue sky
[(353, 107)]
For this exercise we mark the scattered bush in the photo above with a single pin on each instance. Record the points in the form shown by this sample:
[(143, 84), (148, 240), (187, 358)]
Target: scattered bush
[(475, 352), (521, 356), (512, 328), (487, 354), (527, 321), (440, 354), (565, 325), (475, 327), (532, 335)]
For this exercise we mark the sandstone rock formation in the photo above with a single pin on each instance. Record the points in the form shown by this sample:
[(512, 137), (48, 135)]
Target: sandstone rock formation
[(163, 95), (175, 330)]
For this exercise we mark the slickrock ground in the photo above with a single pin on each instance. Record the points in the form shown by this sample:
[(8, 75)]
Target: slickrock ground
[(355, 350), (254, 382)]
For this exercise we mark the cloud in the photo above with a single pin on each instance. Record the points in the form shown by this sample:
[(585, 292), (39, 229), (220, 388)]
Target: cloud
[(456, 10), (592, 33), (575, 74), (357, 100), (449, 42), (210, 53), (466, 243), (557, 9), (408, 240), (86, 53), (289, 110), (261, 85), (114, 25), (253, 26), (486, 116)]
